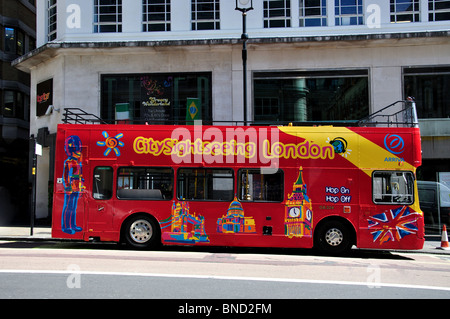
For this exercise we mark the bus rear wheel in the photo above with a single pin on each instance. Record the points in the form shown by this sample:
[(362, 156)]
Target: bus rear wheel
[(141, 232), (333, 237)]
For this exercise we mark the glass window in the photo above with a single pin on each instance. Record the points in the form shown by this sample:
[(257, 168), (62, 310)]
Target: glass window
[(348, 12), (51, 20), (156, 98), (260, 185), (393, 187), (107, 16), (205, 184), (404, 11), (205, 15), (313, 13), (438, 10), (13, 104), (311, 96), (20, 44), (277, 13), (10, 40), (145, 183), (156, 15), (430, 87), (103, 182)]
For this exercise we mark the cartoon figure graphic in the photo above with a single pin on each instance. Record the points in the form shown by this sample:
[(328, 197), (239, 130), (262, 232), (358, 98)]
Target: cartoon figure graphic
[(73, 184)]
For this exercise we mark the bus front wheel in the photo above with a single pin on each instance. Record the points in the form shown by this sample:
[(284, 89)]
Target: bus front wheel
[(333, 237), (141, 232)]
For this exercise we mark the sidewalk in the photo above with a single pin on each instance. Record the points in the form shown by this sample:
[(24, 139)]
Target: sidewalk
[(44, 233)]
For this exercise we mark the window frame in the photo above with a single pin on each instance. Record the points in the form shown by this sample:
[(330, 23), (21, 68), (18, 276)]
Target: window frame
[(243, 196), (272, 16), (399, 16), (378, 197), (52, 20), (143, 193), (204, 19), (434, 13), (151, 19), (97, 197), (207, 179), (100, 24), (342, 11), (306, 14)]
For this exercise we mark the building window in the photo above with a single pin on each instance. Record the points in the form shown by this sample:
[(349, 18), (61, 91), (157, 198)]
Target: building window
[(160, 98), (205, 14), (13, 104), (349, 12), (14, 41), (431, 89), (277, 13), (311, 96), (51, 20), (404, 11), (438, 10), (107, 16), (156, 15), (10, 41), (313, 13)]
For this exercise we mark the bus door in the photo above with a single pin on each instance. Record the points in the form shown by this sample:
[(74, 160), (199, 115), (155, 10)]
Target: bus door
[(100, 200)]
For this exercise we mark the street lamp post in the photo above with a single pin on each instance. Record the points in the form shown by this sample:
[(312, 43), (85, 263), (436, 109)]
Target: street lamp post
[(244, 6)]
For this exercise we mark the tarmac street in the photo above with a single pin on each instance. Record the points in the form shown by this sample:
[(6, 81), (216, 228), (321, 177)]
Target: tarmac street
[(39, 267)]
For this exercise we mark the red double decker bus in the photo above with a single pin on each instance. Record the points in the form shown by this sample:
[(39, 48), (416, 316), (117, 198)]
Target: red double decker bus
[(257, 186)]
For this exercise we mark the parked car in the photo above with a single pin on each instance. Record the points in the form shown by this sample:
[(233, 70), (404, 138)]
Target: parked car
[(434, 200)]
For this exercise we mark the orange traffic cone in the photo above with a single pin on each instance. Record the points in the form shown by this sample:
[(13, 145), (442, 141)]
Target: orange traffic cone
[(444, 239)]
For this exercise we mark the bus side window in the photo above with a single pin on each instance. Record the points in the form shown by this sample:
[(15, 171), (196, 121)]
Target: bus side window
[(256, 185), (392, 187), (215, 184), (102, 187), (145, 183)]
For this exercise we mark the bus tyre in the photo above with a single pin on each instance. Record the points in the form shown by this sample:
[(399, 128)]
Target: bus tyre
[(333, 237), (141, 232)]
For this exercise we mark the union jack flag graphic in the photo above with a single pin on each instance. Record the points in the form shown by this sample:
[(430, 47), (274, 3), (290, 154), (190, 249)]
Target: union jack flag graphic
[(393, 224)]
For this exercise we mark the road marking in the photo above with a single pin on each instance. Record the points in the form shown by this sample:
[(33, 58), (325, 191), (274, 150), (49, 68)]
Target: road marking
[(284, 280)]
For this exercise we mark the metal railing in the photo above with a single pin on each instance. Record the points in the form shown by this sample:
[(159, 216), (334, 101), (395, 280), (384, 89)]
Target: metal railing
[(404, 115), (74, 115)]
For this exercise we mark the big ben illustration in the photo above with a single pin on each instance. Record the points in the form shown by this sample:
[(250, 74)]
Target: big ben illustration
[(298, 210)]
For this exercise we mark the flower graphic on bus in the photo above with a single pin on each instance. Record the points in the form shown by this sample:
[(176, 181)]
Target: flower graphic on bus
[(112, 143)]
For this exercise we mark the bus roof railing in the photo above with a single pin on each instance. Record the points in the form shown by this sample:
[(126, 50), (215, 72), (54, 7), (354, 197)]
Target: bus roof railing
[(404, 115), (75, 115)]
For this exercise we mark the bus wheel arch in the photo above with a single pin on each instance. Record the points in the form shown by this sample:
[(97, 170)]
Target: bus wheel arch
[(334, 235), (141, 231)]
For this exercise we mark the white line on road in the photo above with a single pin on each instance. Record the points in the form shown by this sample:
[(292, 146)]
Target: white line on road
[(285, 280)]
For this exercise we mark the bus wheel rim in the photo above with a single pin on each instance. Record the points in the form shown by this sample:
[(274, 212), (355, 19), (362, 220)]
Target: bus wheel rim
[(141, 231), (334, 237)]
